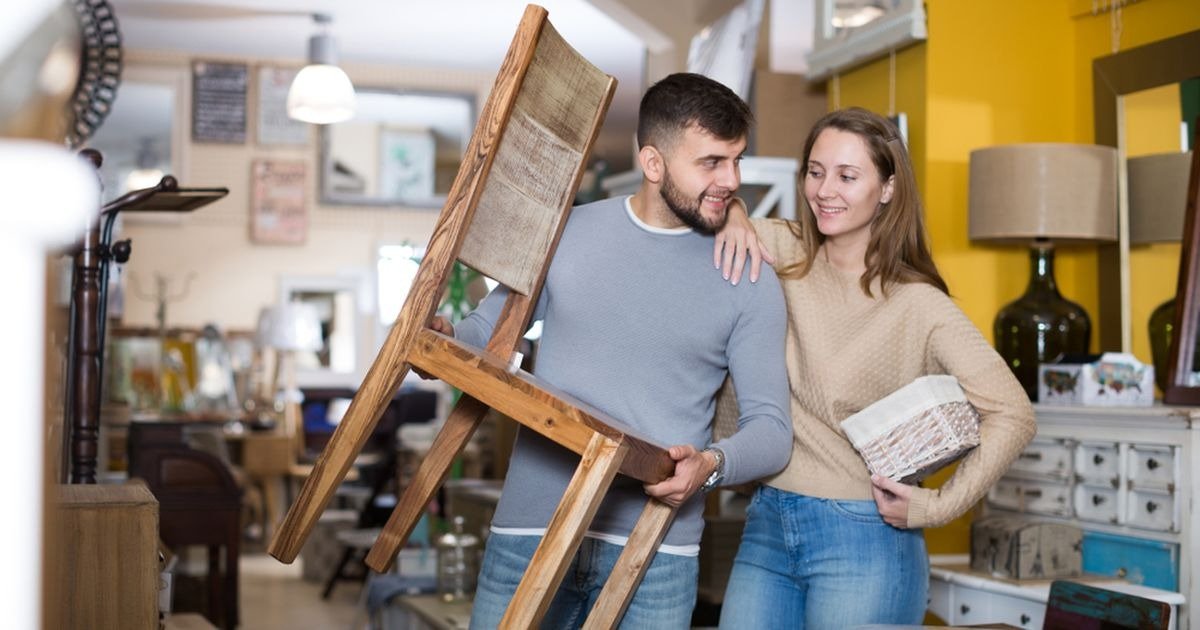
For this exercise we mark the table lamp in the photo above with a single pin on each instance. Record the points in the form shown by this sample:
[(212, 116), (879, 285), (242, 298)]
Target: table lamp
[(290, 328), (1157, 200), (1040, 193)]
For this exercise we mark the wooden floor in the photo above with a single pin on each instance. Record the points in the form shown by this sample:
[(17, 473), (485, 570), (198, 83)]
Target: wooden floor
[(273, 596)]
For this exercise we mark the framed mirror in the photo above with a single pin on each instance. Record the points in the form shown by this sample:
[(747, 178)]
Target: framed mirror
[(1183, 380), (1114, 78), (852, 32), (402, 148), (142, 137), (336, 302)]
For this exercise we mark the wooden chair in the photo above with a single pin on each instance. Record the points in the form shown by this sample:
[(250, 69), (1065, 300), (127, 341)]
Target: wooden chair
[(199, 504), (503, 217), (1075, 606)]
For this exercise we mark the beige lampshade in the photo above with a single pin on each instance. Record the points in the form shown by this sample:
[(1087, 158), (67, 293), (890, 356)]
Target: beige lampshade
[(1157, 196), (1058, 191)]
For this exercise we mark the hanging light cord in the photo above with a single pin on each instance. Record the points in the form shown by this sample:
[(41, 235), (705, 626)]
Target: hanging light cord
[(892, 84)]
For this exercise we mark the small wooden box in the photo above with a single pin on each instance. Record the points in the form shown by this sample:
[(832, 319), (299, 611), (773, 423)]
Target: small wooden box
[(1018, 548), (103, 554)]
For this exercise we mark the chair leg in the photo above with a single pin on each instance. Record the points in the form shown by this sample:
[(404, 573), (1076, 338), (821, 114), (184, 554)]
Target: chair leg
[(631, 566), (213, 607), (231, 579), (337, 572), (450, 441), (583, 496)]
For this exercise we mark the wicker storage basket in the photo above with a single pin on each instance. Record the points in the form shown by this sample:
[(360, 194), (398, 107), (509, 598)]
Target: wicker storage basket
[(915, 430)]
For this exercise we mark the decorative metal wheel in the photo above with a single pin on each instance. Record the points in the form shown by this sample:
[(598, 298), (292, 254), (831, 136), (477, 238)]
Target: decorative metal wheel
[(99, 69)]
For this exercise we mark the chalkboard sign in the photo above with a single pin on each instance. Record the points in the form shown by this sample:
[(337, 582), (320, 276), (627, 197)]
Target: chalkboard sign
[(218, 102)]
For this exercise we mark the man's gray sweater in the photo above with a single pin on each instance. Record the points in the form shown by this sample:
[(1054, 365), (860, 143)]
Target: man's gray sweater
[(637, 324)]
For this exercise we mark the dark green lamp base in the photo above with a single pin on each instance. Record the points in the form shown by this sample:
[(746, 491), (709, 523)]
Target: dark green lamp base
[(1041, 325)]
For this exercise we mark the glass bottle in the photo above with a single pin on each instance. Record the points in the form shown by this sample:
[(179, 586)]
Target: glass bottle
[(1041, 325), (458, 563)]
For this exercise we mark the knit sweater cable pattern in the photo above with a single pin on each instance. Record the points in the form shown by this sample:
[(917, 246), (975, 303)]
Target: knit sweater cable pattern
[(846, 350)]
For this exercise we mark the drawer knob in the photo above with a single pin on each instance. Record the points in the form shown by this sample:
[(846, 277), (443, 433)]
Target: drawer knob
[(1025, 619), (1150, 507), (1033, 455), (1097, 459), (1152, 463), (1032, 493), (1097, 499), (964, 609)]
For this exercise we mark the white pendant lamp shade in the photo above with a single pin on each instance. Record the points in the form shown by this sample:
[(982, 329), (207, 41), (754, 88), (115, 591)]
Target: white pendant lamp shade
[(321, 93)]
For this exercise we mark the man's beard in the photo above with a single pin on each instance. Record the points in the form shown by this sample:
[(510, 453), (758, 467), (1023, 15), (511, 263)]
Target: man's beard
[(688, 210)]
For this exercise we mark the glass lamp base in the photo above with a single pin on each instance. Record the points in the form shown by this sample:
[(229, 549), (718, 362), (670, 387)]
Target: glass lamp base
[(1041, 325)]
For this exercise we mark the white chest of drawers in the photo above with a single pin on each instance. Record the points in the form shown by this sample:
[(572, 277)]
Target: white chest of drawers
[(1127, 477), (961, 597)]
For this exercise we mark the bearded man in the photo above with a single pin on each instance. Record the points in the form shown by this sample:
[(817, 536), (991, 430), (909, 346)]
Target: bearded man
[(634, 326)]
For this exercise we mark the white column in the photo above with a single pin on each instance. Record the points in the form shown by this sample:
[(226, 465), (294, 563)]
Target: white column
[(47, 196)]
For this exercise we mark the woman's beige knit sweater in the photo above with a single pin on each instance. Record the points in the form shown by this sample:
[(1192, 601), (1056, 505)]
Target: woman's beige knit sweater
[(846, 350)]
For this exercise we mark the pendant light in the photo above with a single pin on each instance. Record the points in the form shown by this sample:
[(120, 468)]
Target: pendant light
[(321, 93)]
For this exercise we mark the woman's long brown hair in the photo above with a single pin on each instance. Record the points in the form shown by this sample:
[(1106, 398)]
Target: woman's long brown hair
[(898, 250)]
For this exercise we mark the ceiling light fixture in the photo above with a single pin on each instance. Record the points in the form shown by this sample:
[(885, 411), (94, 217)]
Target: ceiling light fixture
[(321, 93)]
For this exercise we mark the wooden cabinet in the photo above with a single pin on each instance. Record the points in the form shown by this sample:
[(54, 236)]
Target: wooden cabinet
[(102, 553), (1127, 477)]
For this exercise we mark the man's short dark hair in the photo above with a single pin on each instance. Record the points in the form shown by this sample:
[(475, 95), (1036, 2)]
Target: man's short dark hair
[(686, 98)]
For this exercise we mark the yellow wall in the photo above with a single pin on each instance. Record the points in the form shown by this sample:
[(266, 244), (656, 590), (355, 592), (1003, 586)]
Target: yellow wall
[(868, 87), (998, 72)]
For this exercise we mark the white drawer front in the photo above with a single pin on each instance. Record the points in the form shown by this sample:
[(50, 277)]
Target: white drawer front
[(1152, 509), (940, 598), (1028, 495), (971, 607), (1098, 461), (1097, 503), (1048, 457), (1152, 465), (1014, 611)]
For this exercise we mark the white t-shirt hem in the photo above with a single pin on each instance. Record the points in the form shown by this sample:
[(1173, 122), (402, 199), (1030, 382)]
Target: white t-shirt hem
[(690, 551)]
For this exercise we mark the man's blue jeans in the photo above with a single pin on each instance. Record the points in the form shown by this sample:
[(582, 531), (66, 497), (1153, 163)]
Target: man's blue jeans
[(806, 562), (664, 600)]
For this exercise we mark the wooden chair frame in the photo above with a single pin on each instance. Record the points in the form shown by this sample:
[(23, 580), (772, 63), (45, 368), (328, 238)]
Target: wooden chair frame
[(562, 112)]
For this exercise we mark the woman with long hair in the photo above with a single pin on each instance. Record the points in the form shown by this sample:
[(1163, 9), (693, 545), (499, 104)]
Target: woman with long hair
[(826, 544)]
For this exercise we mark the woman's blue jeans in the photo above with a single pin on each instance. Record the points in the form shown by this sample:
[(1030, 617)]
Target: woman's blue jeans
[(663, 601), (806, 562)]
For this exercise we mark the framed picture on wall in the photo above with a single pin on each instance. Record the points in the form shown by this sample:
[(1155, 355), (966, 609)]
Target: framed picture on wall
[(274, 126), (406, 163), (278, 214)]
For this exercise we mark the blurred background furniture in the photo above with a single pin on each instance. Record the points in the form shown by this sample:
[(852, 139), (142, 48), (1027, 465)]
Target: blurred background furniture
[(199, 504)]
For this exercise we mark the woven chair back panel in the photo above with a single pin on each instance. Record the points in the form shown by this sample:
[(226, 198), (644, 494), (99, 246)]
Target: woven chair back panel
[(536, 170)]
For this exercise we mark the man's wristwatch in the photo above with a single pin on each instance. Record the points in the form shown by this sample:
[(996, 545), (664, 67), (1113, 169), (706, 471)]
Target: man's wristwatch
[(718, 472)]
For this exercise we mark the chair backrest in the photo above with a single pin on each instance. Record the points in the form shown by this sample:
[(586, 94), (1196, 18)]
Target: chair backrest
[(1075, 606), (537, 165)]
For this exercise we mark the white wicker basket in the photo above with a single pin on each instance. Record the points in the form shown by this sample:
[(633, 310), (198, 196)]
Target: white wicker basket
[(916, 430)]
